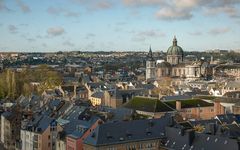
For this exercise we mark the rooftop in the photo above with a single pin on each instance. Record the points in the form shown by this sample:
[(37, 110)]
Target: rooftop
[(106, 134), (147, 104)]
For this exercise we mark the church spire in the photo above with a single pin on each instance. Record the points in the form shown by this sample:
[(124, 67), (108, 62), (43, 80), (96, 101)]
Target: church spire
[(174, 41), (150, 54)]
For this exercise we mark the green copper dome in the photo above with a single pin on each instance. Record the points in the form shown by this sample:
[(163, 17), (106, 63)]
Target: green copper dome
[(175, 49)]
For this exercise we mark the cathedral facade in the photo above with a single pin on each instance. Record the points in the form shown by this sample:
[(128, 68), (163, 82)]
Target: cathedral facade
[(174, 66)]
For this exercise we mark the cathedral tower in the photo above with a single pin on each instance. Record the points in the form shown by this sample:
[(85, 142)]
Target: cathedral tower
[(150, 66)]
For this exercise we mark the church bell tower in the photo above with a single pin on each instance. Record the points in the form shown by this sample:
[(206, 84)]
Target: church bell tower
[(150, 66)]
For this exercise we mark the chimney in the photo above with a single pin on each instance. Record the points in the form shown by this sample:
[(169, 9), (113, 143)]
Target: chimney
[(75, 90), (190, 136), (212, 128), (217, 108), (171, 121), (178, 105)]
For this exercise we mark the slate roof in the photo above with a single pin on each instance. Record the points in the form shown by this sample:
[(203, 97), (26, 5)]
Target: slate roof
[(146, 86), (123, 132), (80, 89), (74, 113), (228, 118), (231, 130), (8, 115), (99, 85), (204, 122), (44, 123), (76, 128), (98, 95), (70, 79), (39, 124), (188, 140), (128, 93), (54, 103), (69, 89), (118, 113)]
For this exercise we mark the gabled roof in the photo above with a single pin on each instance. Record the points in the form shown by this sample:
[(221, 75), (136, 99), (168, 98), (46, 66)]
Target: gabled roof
[(68, 89), (204, 122), (124, 132), (76, 128), (228, 118), (8, 115), (40, 123), (231, 130), (98, 85), (190, 140), (98, 94)]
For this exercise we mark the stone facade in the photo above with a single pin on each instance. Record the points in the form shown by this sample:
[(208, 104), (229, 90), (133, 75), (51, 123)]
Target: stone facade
[(175, 65)]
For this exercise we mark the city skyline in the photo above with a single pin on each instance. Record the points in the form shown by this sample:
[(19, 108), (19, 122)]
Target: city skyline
[(109, 25)]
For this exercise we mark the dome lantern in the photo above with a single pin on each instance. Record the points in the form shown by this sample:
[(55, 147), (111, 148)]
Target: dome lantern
[(174, 41)]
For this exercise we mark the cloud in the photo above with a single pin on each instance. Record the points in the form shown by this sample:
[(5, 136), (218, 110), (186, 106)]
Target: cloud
[(185, 9), (195, 33), (68, 43), (103, 5), (186, 3), (166, 10), (140, 3), (44, 45), (55, 31), (3, 6), (24, 24), (217, 31), (71, 14), (89, 35), (39, 36), (94, 5), (61, 11), (151, 33), (12, 29), (121, 23), (173, 14), (23, 6), (30, 39), (231, 11), (143, 35)]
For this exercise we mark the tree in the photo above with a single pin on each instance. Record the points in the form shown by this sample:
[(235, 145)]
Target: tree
[(14, 84)]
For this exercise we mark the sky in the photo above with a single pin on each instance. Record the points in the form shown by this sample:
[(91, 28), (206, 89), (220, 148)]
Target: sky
[(118, 25)]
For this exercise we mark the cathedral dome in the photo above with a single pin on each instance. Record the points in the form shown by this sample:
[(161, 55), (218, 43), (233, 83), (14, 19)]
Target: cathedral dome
[(175, 49)]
